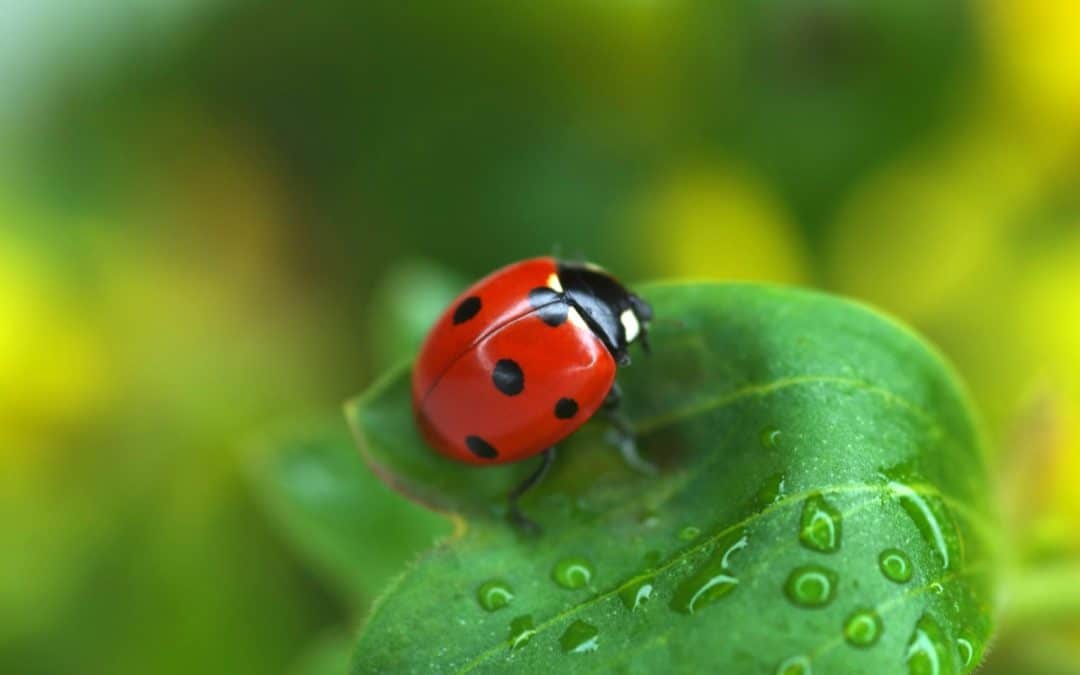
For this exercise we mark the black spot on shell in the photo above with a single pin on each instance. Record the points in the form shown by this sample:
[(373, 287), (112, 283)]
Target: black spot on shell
[(481, 448), (551, 306), (508, 377), (467, 309), (566, 408)]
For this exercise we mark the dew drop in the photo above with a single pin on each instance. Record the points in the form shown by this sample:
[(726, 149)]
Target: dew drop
[(769, 492), (937, 588), (649, 519), (927, 653), (895, 565), (494, 595), (770, 437), (932, 520), (796, 665), (579, 638), (714, 579), (582, 510), (521, 631), (572, 572), (689, 533), (863, 628), (811, 586), (967, 650), (820, 530), (637, 593)]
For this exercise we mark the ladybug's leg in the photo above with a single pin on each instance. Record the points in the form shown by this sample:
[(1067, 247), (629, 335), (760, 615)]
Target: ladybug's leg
[(613, 398), (622, 433), (519, 519)]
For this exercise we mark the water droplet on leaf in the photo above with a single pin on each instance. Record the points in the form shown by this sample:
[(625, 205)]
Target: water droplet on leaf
[(820, 528), (811, 586), (927, 653), (770, 437), (770, 491), (863, 628), (967, 650), (713, 580), (580, 637), (932, 520), (637, 594), (494, 594), (895, 565), (796, 665), (689, 533), (521, 631), (649, 519), (572, 572)]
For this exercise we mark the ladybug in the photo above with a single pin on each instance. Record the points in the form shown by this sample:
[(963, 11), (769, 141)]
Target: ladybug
[(523, 358)]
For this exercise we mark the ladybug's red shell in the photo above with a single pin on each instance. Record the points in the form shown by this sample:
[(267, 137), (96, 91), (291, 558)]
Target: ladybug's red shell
[(509, 369)]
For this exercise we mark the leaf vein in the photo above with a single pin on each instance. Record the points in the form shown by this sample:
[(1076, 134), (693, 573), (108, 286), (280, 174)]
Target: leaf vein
[(728, 398), (687, 552)]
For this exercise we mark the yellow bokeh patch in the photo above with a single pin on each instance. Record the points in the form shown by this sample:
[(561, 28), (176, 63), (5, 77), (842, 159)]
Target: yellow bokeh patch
[(718, 223), (53, 366), (930, 233), (1034, 49), (1050, 318)]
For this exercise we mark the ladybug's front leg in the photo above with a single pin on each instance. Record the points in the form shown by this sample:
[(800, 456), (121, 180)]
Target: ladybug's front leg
[(519, 519), (622, 433)]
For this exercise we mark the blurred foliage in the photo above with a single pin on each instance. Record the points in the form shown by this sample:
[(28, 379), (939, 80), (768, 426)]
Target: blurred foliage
[(402, 306), (329, 655), (218, 214), (337, 512)]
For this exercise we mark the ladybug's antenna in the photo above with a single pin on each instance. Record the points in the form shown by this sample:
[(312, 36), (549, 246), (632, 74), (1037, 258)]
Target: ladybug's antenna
[(556, 250)]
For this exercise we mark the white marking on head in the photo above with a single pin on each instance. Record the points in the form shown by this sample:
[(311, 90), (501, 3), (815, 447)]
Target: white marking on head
[(575, 318), (553, 283), (630, 324)]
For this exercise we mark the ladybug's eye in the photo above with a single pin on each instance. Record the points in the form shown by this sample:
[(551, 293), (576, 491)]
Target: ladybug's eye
[(630, 324)]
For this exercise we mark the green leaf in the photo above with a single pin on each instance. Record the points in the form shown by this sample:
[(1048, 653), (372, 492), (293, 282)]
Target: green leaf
[(314, 485), (822, 503)]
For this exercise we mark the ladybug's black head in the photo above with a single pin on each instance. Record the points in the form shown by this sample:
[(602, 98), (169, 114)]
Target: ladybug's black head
[(617, 316)]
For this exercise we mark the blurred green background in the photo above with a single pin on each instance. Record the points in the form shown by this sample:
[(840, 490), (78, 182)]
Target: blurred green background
[(217, 216)]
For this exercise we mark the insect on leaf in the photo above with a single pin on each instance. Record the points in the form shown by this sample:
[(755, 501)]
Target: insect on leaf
[(822, 506)]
